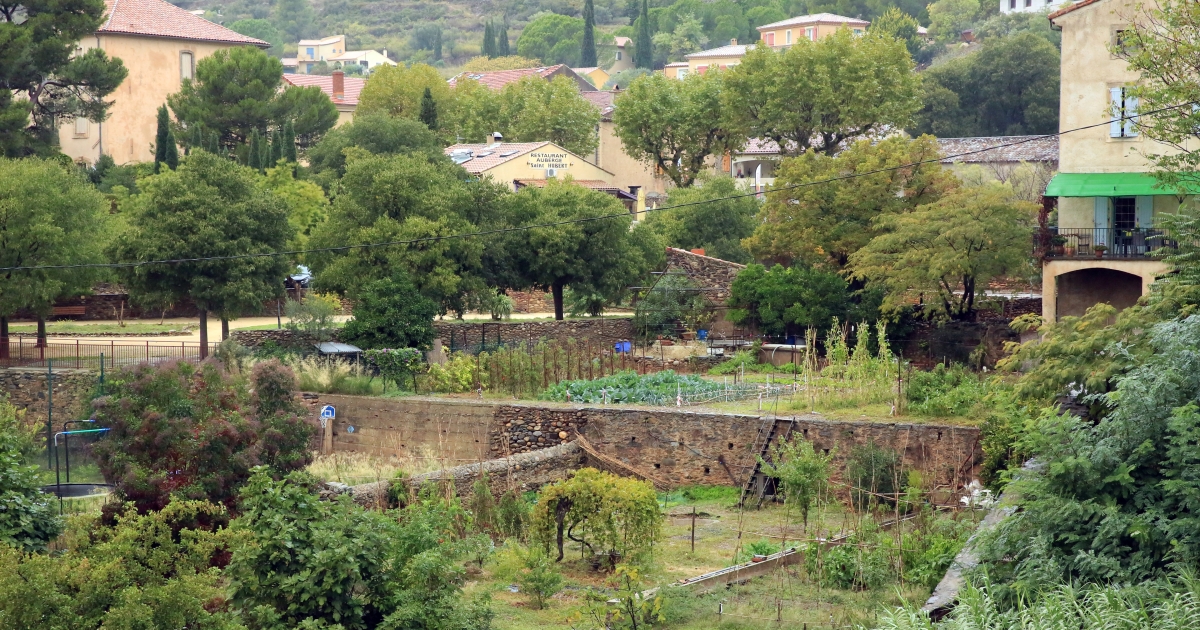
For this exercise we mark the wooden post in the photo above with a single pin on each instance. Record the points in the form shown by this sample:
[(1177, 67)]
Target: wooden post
[(327, 438), (693, 529)]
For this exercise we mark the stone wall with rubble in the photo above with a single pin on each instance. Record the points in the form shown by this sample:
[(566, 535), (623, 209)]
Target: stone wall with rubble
[(26, 390), (455, 335), (713, 276)]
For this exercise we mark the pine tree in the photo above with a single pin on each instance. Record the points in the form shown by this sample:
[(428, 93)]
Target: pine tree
[(587, 58), (162, 137), (172, 153), (289, 142), (429, 110), (489, 41), (276, 147), (502, 48), (253, 153), (644, 45)]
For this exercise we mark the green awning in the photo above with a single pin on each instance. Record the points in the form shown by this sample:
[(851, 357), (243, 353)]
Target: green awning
[(1105, 185)]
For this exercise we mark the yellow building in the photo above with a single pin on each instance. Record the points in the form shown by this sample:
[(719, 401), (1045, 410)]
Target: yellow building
[(1108, 204), (811, 27), (340, 89), (310, 52), (676, 70), (623, 59), (714, 58), (520, 164), (160, 45), (597, 76)]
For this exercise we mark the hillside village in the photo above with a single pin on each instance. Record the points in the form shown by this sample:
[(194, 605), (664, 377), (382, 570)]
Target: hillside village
[(356, 314)]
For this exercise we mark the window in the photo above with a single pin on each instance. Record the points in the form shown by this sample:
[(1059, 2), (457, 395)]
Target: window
[(186, 65), (810, 34), (81, 127), (1123, 123), (701, 69), (787, 38), (683, 72), (308, 52), (1124, 213), (1028, 3), (770, 39), (1012, 5), (618, 55), (858, 31)]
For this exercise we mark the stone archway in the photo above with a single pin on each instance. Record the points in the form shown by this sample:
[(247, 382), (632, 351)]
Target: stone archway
[(1071, 286)]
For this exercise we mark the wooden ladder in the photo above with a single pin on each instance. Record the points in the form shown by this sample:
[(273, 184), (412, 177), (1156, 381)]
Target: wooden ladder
[(756, 483)]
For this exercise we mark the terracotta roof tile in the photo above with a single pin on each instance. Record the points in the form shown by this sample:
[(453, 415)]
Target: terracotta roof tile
[(816, 18), (500, 78), (1030, 149), (496, 154), (604, 100), (1071, 7), (158, 18), (353, 86)]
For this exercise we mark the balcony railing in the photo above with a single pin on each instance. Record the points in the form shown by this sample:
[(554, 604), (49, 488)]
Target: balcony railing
[(1116, 243)]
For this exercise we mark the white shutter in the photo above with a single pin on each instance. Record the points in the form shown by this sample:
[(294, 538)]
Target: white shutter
[(1131, 108), (1114, 127), (1101, 222), (1145, 212)]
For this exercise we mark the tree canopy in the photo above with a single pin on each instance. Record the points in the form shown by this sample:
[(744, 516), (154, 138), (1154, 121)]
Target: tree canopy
[(787, 300), (376, 133), (674, 126), (529, 110), (43, 80), (553, 38), (822, 95), (708, 219), (1009, 87), (397, 91), (948, 249), (826, 223)]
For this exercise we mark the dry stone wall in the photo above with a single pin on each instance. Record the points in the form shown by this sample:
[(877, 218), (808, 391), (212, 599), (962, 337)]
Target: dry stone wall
[(456, 335), (26, 389)]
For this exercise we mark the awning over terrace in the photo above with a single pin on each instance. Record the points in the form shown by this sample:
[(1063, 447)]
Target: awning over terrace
[(1107, 185)]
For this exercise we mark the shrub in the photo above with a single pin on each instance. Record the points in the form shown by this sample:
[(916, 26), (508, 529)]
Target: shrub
[(391, 313), (615, 516), (27, 518), (196, 431), (872, 471), (512, 516), (461, 373), (761, 547), (334, 376), (944, 392), (314, 315), (398, 366), (743, 361)]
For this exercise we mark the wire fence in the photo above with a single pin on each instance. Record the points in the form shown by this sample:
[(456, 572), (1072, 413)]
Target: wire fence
[(22, 352)]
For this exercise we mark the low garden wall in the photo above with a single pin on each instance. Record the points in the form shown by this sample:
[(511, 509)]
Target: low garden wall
[(683, 447), (26, 389), (455, 334)]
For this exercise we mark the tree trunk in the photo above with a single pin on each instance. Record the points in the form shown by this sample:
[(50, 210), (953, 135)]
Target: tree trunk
[(41, 332), (560, 515), (203, 334), (557, 289), (3, 337), (224, 328)]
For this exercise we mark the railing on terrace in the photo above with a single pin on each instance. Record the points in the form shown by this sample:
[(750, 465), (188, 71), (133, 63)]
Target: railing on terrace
[(1118, 243), (24, 352)]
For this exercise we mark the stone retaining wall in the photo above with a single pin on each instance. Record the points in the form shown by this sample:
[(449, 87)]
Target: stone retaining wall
[(469, 334), (26, 389)]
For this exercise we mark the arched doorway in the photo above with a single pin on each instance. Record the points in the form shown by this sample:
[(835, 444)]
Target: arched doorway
[(1079, 290)]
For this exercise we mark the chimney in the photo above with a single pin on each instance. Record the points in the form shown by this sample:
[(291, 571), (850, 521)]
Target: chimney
[(385, 53), (733, 42), (339, 85), (497, 137)]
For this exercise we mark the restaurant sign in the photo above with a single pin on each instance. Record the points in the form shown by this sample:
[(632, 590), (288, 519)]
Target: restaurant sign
[(539, 159)]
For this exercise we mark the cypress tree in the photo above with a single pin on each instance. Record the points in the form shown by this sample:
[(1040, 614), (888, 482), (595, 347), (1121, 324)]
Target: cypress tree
[(437, 46), (587, 57), (214, 143), (276, 147), (429, 110), (289, 142), (264, 155), (644, 45), (489, 41), (253, 154), (172, 153), (502, 41), (162, 137)]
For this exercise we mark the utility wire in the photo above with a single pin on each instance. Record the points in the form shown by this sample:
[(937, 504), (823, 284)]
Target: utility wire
[(428, 239)]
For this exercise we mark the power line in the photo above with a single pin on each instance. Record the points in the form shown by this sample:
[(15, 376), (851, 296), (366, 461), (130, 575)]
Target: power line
[(429, 239)]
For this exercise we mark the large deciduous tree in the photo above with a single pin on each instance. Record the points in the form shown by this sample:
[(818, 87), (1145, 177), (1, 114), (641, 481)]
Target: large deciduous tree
[(826, 211), (787, 300), (714, 216), (50, 215), (948, 250), (43, 80), (207, 209), (819, 96), (1009, 87), (374, 133), (529, 110), (397, 91), (600, 256), (237, 92), (673, 125)]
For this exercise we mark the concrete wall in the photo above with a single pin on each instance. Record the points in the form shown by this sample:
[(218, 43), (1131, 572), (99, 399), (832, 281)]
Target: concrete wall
[(611, 156), (684, 447)]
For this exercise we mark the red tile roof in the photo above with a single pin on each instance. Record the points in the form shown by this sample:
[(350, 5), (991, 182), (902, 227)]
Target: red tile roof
[(603, 100), (481, 157), (353, 86), (1071, 7), (496, 80), (158, 18)]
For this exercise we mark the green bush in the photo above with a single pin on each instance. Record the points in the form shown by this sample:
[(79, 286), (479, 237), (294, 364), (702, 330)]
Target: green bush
[(461, 373), (872, 471), (398, 366), (391, 313), (628, 387), (744, 361), (945, 392), (314, 315), (27, 518)]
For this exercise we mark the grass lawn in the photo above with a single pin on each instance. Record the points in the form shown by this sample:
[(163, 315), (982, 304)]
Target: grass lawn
[(133, 328), (750, 605)]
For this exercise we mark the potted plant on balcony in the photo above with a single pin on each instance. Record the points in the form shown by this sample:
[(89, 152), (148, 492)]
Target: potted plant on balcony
[(1100, 249), (1057, 244)]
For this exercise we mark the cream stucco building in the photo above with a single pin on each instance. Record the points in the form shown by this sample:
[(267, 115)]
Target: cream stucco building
[(160, 45), (1109, 205), (520, 164), (777, 36)]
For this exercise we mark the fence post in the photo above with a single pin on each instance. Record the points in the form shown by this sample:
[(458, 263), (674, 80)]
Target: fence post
[(147, 351), (76, 367)]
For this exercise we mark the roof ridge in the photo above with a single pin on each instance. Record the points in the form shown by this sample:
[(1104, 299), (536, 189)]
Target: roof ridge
[(111, 13)]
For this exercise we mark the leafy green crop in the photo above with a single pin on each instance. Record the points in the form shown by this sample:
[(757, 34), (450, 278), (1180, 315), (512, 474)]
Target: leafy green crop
[(628, 387)]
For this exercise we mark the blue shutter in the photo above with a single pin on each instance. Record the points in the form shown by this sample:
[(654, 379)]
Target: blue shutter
[(1145, 212), (1101, 222), (1114, 127), (1131, 108)]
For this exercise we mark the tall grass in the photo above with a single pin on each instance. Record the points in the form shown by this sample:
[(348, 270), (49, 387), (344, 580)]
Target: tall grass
[(333, 376), (354, 468)]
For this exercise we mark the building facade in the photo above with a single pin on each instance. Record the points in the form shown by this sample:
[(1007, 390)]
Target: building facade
[(340, 89), (519, 164), (1030, 6), (1109, 205), (777, 36), (160, 45)]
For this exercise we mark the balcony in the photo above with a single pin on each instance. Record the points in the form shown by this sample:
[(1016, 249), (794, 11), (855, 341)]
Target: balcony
[(1116, 243)]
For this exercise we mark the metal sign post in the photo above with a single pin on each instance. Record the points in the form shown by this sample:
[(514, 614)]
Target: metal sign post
[(328, 414)]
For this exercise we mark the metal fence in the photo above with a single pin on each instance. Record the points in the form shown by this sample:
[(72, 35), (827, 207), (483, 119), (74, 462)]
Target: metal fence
[(24, 352)]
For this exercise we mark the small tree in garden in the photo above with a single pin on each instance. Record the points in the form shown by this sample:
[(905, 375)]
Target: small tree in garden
[(872, 472), (803, 471), (615, 516), (398, 366), (483, 504), (314, 315), (27, 519), (390, 313), (195, 432), (539, 577), (512, 515)]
